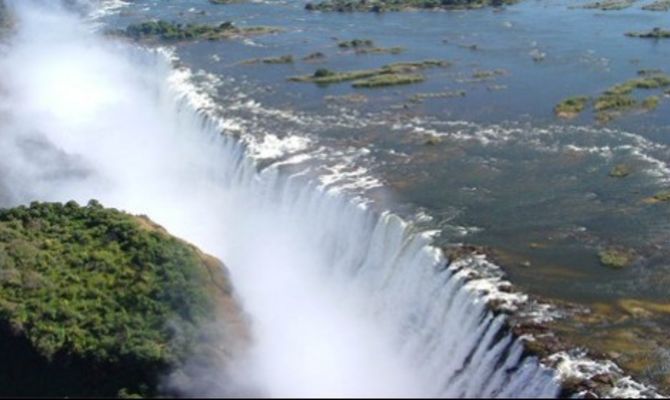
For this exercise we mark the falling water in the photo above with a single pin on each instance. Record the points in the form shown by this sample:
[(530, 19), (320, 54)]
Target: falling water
[(344, 300)]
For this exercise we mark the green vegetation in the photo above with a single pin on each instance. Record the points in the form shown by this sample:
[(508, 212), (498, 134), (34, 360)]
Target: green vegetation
[(401, 5), (659, 5), (620, 171), (287, 59), (388, 80), (391, 74), (95, 302), (409, 65), (619, 98), (571, 107), (366, 46), (314, 56), (663, 196), (171, 31), (651, 103), (355, 43), (656, 33), (325, 76), (616, 258), (609, 5)]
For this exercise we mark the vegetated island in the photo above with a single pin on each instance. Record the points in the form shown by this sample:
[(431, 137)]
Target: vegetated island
[(400, 73), (285, 59), (656, 33), (608, 5), (366, 46), (659, 5), (571, 107), (176, 32), (618, 99), (403, 5), (96, 302)]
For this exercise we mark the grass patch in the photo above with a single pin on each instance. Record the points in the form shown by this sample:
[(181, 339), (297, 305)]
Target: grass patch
[(616, 258), (571, 107), (651, 103)]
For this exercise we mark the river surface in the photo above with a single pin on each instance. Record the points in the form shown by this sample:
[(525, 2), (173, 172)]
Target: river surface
[(504, 171)]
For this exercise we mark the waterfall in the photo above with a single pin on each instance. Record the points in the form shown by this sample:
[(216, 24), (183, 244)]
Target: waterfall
[(344, 299)]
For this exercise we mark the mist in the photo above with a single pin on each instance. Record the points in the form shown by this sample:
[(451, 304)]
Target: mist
[(83, 117)]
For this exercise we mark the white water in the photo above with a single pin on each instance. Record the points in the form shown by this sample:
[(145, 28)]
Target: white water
[(343, 301)]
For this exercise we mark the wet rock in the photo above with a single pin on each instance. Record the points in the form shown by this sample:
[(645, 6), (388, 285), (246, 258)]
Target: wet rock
[(537, 55), (433, 141), (457, 252), (603, 378)]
